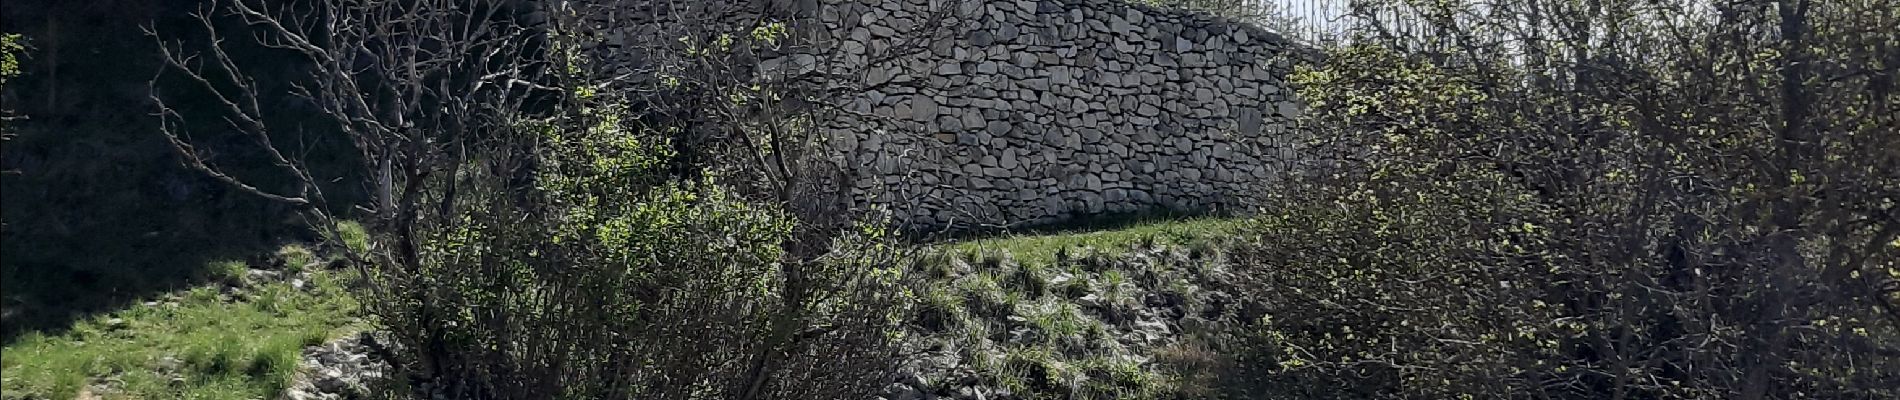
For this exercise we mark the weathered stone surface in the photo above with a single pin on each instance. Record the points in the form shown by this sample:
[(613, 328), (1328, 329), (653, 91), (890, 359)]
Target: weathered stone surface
[(879, 76), (923, 109), (997, 128)]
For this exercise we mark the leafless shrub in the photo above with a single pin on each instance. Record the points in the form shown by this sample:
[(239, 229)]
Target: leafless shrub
[(554, 219), (409, 83)]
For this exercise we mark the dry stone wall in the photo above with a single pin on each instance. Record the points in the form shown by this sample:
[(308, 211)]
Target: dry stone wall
[(1035, 111), (983, 113)]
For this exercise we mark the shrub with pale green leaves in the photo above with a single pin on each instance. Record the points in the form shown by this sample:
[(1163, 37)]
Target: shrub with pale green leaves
[(609, 278)]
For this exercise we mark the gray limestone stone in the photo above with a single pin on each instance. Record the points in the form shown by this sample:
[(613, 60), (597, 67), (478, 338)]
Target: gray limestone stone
[(1091, 135), (1289, 110), (948, 124), (998, 128), (879, 75), (1249, 122), (986, 67), (1026, 60), (923, 109), (973, 119), (1147, 109), (1119, 25)]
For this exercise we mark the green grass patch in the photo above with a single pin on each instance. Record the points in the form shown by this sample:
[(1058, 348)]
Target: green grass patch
[(353, 236), (1041, 248), (1060, 322), (295, 257), (226, 271), (193, 345), (1046, 313)]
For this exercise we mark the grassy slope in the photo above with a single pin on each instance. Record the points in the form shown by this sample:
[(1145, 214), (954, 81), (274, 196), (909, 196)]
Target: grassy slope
[(199, 344), (1041, 248), (1019, 281)]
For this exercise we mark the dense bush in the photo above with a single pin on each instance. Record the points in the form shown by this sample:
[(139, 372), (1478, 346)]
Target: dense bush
[(676, 293), (587, 257), (611, 277), (1675, 209), (547, 225)]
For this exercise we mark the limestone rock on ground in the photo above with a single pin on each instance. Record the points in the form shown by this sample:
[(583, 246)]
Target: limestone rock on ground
[(341, 369)]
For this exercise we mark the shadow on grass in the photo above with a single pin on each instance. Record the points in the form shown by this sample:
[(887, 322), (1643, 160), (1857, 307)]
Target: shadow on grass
[(97, 211), (119, 257)]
